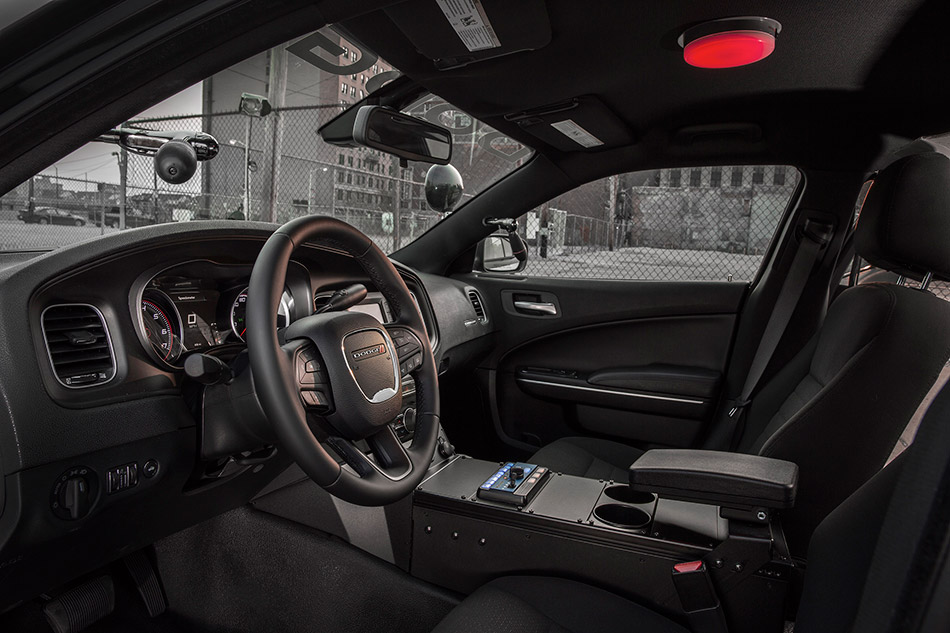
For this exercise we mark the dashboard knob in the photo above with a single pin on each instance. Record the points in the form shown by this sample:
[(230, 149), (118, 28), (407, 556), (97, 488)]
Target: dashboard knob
[(74, 493), (409, 420)]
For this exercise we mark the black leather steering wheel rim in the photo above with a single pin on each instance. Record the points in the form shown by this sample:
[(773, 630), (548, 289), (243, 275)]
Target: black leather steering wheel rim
[(274, 377)]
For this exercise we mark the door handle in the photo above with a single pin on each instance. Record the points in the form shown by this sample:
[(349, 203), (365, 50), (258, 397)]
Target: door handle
[(536, 306)]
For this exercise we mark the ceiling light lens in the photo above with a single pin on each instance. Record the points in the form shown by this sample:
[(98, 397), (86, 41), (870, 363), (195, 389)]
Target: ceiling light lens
[(729, 49)]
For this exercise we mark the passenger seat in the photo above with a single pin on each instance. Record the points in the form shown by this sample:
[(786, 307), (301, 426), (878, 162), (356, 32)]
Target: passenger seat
[(838, 408)]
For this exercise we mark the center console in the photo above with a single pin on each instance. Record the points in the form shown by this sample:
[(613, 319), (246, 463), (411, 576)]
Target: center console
[(717, 513)]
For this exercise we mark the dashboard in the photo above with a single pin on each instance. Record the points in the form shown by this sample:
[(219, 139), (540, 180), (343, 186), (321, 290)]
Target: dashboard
[(93, 340)]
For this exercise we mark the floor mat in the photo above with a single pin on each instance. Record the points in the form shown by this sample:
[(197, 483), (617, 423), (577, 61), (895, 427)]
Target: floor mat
[(251, 571)]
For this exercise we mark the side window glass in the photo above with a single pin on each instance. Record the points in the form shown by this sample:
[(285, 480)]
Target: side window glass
[(702, 223)]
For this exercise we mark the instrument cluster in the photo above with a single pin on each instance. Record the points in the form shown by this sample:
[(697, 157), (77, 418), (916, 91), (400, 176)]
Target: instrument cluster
[(182, 313)]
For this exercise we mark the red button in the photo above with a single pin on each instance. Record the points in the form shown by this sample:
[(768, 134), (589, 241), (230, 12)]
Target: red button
[(693, 565)]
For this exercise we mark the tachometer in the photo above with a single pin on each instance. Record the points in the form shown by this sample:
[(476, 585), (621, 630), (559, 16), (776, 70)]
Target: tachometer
[(162, 326)]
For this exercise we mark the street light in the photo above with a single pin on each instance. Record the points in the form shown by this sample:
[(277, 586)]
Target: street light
[(254, 107), (310, 189)]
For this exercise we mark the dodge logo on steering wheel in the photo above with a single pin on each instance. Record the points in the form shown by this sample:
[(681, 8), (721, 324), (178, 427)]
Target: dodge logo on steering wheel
[(369, 352)]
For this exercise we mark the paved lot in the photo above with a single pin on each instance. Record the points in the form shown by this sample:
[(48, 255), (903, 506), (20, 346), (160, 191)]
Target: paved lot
[(647, 263), (17, 236)]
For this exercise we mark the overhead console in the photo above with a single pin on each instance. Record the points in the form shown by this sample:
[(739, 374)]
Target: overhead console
[(472, 31)]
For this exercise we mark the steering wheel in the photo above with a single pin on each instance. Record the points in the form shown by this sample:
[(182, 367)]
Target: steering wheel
[(336, 378)]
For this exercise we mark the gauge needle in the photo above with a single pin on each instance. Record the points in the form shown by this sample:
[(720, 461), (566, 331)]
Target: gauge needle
[(242, 332)]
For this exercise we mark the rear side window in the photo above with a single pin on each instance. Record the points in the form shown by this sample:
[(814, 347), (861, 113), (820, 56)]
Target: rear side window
[(668, 224)]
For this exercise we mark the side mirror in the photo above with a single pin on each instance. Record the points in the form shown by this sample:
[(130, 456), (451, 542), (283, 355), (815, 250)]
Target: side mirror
[(501, 252), (443, 188), (402, 135)]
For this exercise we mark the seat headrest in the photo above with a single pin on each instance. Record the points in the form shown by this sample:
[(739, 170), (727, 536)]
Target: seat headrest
[(904, 225)]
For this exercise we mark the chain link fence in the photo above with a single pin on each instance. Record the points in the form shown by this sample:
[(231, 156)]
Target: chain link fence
[(271, 169), (709, 223), (251, 179)]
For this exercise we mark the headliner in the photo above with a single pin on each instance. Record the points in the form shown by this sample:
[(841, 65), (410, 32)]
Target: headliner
[(841, 78), (842, 84)]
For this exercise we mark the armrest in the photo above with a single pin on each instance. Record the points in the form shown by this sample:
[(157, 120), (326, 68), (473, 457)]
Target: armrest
[(714, 477)]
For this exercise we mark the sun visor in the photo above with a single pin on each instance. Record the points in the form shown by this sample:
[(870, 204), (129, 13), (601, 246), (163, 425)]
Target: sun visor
[(579, 124), (454, 33)]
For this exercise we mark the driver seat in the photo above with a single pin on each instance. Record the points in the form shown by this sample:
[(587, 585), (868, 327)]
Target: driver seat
[(870, 562), (839, 406)]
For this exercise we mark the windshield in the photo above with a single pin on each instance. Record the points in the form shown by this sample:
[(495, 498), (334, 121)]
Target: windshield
[(270, 168)]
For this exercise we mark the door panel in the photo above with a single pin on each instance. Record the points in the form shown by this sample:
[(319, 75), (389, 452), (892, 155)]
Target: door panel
[(641, 362)]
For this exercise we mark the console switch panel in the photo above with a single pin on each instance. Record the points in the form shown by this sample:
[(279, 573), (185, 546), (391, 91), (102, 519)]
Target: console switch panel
[(515, 483)]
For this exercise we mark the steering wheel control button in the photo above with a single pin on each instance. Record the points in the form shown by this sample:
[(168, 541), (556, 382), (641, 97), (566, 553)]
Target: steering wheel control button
[(310, 371), (122, 477), (150, 468), (408, 348), (315, 399), (74, 493), (411, 364)]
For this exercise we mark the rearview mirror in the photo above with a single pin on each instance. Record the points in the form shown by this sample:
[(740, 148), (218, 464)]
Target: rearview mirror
[(402, 135)]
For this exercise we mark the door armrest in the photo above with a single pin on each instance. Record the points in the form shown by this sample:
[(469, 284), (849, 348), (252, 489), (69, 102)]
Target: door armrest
[(715, 477)]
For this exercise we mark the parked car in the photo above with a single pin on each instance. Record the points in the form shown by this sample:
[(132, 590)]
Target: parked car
[(49, 215), (133, 219)]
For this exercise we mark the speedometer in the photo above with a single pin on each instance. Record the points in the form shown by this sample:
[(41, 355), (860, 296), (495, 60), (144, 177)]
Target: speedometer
[(238, 315), (239, 312)]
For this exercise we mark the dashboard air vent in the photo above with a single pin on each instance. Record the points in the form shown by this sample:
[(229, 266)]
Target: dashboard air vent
[(479, 306), (78, 344)]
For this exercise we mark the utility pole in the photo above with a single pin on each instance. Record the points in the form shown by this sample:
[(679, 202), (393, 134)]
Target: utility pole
[(543, 233), (611, 209), (471, 147), (276, 94), (398, 207), (155, 195), (31, 203), (123, 181), (247, 168), (207, 107)]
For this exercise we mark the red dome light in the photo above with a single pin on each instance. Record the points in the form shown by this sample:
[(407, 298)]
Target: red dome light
[(729, 42), (728, 50)]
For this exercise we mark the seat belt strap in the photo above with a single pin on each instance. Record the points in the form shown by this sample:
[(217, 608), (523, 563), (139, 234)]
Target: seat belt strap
[(815, 236)]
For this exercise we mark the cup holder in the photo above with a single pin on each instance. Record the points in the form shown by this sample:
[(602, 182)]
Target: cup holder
[(621, 516), (625, 494)]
